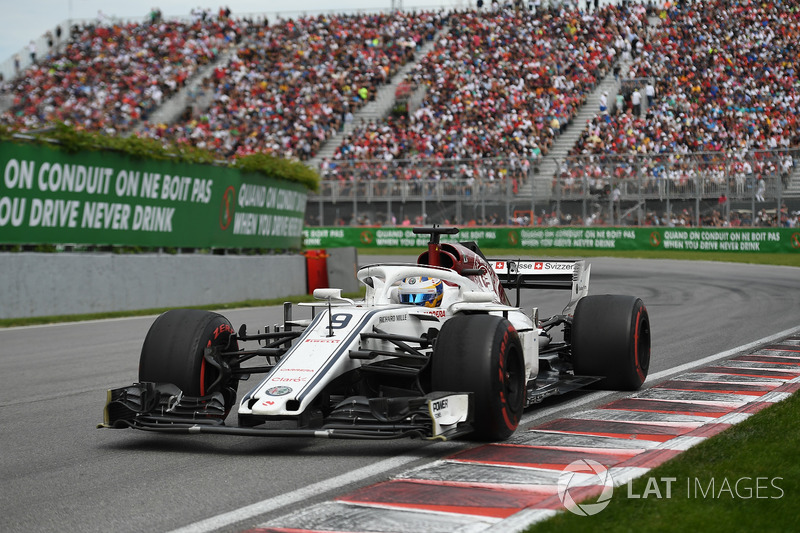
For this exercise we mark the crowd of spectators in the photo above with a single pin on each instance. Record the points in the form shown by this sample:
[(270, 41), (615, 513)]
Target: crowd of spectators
[(718, 84), (713, 111), (109, 76), (501, 83), (720, 95), (291, 85)]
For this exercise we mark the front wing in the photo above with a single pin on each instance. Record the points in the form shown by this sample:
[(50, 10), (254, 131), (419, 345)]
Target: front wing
[(162, 407)]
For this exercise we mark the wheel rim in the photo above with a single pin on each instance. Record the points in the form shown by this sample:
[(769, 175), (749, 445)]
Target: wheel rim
[(642, 348), (512, 389)]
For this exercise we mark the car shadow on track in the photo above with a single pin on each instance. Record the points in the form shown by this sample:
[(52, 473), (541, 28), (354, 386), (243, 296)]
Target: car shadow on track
[(277, 446)]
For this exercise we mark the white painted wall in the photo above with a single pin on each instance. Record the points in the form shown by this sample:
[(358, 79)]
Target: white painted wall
[(39, 284)]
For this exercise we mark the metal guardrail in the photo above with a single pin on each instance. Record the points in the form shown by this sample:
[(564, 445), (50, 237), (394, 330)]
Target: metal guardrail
[(704, 174), (464, 195), (611, 186), (469, 185), (415, 178), (756, 177)]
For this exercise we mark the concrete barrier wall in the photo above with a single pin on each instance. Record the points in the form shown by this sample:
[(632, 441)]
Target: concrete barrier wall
[(37, 284)]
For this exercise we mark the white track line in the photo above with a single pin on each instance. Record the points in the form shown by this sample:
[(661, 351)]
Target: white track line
[(264, 506), (244, 513)]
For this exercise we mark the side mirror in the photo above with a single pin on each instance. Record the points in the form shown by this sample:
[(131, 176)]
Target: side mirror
[(478, 297), (326, 294)]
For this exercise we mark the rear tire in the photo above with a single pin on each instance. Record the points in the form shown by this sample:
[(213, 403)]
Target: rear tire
[(611, 338), (173, 352), (482, 354)]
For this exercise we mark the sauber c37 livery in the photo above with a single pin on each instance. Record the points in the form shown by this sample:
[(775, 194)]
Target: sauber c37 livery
[(434, 350)]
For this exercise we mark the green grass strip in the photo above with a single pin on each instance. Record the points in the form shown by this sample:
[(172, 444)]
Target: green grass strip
[(761, 454)]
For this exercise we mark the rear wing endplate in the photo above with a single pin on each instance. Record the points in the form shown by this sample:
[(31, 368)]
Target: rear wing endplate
[(563, 274)]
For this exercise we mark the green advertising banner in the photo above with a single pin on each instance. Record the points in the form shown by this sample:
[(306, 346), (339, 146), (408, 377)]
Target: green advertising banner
[(768, 240), (48, 196)]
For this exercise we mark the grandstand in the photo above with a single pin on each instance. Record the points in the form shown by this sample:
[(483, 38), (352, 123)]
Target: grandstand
[(504, 120)]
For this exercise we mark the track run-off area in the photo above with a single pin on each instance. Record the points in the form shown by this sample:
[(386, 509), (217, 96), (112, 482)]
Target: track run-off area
[(708, 320)]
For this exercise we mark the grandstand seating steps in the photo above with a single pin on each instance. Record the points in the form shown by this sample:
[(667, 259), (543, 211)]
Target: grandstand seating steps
[(793, 190), (191, 94), (5, 102), (377, 109), (541, 183)]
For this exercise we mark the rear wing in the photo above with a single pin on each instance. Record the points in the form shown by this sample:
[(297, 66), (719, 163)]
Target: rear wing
[(563, 274)]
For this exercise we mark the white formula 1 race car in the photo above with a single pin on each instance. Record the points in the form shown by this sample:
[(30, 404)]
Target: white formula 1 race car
[(434, 350)]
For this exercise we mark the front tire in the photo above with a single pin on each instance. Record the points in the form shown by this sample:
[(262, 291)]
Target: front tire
[(174, 352), (482, 354), (611, 338)]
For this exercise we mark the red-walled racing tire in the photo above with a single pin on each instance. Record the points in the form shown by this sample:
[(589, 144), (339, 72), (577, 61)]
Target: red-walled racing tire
[(482, 354), (173, 352), (610, 337)]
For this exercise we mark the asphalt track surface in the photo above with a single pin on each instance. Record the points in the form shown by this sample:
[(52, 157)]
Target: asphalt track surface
[(59, 473)]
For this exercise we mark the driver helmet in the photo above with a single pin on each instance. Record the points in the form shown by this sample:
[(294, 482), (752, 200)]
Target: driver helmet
[(422, 291)]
